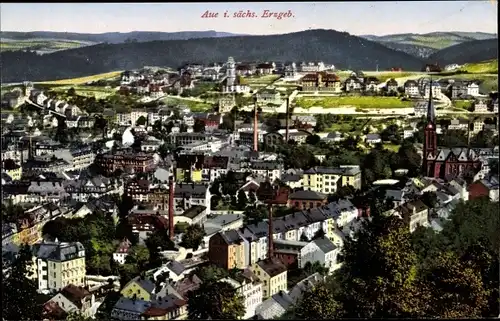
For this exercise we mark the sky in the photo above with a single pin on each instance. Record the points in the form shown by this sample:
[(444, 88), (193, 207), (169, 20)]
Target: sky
[(358, 18)]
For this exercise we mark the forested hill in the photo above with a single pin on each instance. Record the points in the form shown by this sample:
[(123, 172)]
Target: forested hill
[(115, 37), (329, 46), (468, 52)]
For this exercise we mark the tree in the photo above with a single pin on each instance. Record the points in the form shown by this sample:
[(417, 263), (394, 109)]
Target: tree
[(183, 128), (242, 200), (456, 287), (227, 122), (76, 316), (141, 121), (429, 199), (215, 300), (313, 139), (193, 237), (254, 214), (409, 158), (211, 273), (138, 255), (317, 303), (71, 91), (379, 271), (199, 126), (19, 290)]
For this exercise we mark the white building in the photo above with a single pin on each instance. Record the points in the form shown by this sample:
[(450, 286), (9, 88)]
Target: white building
[(248, 286), (321, 250), (121, 252), (312, 66), (480, 106), (473, 89), (59, 264)]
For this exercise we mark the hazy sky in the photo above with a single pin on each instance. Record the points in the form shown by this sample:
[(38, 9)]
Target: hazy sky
[(357, 18)]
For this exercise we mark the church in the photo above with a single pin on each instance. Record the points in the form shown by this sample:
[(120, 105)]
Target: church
[(233, 83), (445, 163)]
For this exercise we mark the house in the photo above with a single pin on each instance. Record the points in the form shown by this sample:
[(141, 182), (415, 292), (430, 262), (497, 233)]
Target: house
[(122, 251), (473, 89), (265, 68), (311, 66), (308, 199), (269, 96), (391, 86), (411, 88), (129, 309), (59, 264), (274, 307), (139, 288), (436, 89), (227, 250), (291, 71), (353, 83), (273, 274), (321, 250), (484, 188), (458, 124), (414, 213), (176, 271), (74, 299), (432, 68), (480, 106), (327, 179), (373, 139), (249, 287), (226, 103), (321, 81), (371, 84)]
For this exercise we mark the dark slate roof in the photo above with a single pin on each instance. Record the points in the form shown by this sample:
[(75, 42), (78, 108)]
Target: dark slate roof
[(176, 267), (55, 251), (308, 195), (325, 244)]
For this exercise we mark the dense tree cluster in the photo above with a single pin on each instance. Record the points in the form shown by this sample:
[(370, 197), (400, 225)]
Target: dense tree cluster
[(388, 272)]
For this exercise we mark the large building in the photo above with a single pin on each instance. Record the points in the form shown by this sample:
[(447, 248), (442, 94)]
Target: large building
[(445, 163), (59, 264)]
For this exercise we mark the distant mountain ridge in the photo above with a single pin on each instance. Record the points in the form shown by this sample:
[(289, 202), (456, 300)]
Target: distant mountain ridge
[(468, 52), (424, 45), (115, 37), (334, 47)]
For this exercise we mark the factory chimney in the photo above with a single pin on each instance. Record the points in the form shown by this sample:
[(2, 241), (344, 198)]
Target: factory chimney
[(255, 127), (287, 119), (171, 191), (270, 241)]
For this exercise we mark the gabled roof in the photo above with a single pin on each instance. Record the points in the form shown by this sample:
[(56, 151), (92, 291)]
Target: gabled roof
[(325, 245), (308, 195), (75, 294)]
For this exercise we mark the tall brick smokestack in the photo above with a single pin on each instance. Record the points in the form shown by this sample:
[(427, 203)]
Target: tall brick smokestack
[(171, 191), (287, 119), (270, 241), (255, 127)]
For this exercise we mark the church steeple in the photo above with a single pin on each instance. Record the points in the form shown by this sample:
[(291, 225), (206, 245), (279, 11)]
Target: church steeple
[(431, 117), (430, 138)]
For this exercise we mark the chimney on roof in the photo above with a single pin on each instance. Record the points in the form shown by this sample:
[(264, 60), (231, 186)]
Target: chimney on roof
[(171, 191)]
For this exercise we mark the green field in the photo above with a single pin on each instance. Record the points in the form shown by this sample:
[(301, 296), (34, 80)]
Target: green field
[(462, 104), (264, 80), (82, 80), (484, 67), (195, 106), (367, 102), (384, 76), (88, 91)]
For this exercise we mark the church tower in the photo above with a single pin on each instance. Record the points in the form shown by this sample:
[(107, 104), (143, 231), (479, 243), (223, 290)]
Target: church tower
[(430, 139), (230, 72)]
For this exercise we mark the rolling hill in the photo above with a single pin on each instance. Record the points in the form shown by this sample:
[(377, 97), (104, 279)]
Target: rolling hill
[(424, 45), (330, 46), (469, 52), (47, 41), (115, 37)]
